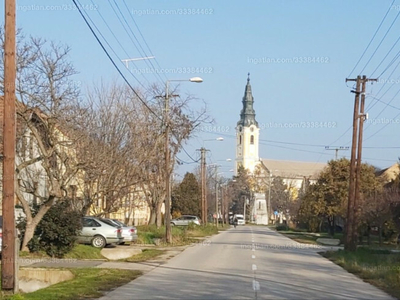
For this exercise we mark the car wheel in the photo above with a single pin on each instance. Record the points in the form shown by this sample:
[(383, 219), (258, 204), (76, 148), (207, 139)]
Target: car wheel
[(99, 241)]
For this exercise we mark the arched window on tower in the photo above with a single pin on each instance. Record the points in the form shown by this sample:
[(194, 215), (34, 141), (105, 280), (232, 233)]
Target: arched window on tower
[(240, 139), (252, 140)]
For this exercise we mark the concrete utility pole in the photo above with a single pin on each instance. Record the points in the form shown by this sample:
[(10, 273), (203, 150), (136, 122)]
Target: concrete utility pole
[(337, 150), (8, 263), (355, 165)]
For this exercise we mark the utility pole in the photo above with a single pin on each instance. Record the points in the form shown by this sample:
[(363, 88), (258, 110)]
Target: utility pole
[(203, 186), (8, 263), (355, 166), (337, 150), (269, 198), (168, 232), (216, 195), (357, 194)]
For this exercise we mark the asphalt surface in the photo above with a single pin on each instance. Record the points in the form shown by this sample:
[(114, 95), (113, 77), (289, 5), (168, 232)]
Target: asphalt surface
[(248, 262)]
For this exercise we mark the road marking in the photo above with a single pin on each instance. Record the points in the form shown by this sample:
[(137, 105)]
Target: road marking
[(254, 267), (256, 285), (253, 249), (253, 256)]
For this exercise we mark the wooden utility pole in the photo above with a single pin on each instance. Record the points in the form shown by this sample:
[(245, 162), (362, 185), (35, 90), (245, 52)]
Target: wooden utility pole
[(8, 271), (350, 205), (203, 186), (337, 149), (168, 232), (362, 117), (216, 195), (355, 164)]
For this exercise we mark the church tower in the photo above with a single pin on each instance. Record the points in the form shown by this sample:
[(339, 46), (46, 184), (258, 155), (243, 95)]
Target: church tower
[(247, 133)]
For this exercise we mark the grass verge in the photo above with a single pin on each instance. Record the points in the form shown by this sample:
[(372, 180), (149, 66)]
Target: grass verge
[(88, 283), (381, 268), (147, 254), (181, 235), (78, 252)]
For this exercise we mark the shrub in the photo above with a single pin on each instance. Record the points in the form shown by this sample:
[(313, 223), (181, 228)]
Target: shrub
[(56, 232), (281, 227)]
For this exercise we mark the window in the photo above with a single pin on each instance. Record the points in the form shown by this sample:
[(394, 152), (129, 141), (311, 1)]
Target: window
[(240, 140), (252, 139), (90, 223)]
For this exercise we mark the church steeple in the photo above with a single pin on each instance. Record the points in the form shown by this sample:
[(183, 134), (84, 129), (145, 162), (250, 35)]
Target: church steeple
[(247, 133), (247, 114)]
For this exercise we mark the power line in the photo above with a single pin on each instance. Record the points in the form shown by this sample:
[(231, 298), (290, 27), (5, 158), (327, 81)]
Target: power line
[(118, 41), (380, 43), (373, 37), (134, 36), (112, 61), (145, 42)]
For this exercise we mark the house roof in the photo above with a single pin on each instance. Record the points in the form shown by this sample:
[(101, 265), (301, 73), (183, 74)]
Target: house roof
[(390, 173), (293, 169)]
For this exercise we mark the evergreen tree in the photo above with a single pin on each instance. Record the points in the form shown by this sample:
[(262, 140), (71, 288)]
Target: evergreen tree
[(186, 196)]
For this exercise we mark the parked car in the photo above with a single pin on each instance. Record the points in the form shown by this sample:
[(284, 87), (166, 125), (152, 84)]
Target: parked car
[(129, 233), (98, 233), (185, 220), (240, 219)]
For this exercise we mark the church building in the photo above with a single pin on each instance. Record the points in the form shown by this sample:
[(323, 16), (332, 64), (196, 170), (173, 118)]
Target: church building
[(293, 173)]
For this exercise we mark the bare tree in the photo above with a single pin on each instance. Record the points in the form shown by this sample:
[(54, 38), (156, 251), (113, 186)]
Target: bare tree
[(47, 97)]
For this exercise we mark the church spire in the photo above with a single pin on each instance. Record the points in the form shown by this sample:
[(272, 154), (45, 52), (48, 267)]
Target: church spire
[(247, 114)]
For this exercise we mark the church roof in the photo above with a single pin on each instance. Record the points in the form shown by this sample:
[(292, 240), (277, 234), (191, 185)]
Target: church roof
[(293, 169), (247, 114)]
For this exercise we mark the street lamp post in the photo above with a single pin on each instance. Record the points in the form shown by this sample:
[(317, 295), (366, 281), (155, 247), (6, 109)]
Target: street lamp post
[(168, 235)]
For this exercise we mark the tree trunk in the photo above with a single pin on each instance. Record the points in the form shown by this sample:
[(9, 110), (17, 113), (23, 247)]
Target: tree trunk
[(152, 219), (331, 222), (159, 220), (29, 232)]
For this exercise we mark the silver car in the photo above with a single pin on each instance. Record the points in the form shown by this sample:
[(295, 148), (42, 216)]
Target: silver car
[(128, 232), (98, 233), (185, 220)]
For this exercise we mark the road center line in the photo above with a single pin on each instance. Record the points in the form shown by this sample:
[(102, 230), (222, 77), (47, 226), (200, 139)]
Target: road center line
[(254, 267), (253, 256), (256, 285)]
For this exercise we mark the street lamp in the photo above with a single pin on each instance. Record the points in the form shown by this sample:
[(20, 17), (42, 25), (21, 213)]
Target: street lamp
[(168, 236)]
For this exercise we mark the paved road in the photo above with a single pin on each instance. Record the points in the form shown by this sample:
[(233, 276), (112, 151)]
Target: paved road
[(248, 262)]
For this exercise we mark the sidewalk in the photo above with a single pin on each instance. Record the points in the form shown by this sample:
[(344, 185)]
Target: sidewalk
[(145, 267)]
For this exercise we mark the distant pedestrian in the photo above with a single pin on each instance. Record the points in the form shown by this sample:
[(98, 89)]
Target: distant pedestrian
[(235, 222)]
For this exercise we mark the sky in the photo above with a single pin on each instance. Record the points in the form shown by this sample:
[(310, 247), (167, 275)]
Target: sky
[(298, 54)]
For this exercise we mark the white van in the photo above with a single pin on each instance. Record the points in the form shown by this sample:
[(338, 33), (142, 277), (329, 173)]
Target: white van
[(240, 219)]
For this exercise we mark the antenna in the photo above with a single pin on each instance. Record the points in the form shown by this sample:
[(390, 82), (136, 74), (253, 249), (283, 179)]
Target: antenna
[(126, 61)]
